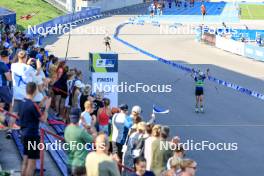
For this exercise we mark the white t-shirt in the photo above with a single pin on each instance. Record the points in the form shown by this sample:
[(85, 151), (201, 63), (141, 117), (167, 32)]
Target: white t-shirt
[(38, 79), (118, 127), (87, 119), (21, 75), (148, 150)]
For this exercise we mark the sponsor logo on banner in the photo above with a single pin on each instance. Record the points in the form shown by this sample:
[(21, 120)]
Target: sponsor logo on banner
[(105, 63)]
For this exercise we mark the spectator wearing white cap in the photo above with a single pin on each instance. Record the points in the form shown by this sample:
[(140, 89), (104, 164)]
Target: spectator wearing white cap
[(135, 114), (121, 123), (76, 94)]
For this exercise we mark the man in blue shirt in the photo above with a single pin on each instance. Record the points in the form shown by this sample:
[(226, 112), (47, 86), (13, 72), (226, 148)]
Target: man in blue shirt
[(199, 88), (30, 116), (5, 77)]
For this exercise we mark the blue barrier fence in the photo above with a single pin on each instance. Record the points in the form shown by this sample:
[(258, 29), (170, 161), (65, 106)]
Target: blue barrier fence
[(63, 20), (187, 69), (254, 52), (250, 34)]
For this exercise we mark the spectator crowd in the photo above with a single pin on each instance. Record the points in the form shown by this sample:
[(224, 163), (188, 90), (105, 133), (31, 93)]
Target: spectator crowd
[(34, 83)]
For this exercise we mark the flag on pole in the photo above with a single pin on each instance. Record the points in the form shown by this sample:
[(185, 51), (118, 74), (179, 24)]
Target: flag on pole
[(158, 110)]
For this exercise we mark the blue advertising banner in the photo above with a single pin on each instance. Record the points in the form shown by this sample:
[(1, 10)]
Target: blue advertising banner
[(254, 52)]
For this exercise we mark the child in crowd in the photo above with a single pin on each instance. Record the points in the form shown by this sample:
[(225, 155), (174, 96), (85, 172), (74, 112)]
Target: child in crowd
[(86, 120)]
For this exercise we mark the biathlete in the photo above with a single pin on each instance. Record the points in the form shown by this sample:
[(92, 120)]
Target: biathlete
[(107, 40), (199, 78)]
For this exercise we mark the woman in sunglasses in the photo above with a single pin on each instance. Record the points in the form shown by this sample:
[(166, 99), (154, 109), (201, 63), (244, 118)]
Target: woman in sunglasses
[(188, 167)]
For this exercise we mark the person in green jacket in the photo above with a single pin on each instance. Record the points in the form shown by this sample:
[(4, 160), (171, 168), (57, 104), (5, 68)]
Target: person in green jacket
[(78, 141), (161, 151)]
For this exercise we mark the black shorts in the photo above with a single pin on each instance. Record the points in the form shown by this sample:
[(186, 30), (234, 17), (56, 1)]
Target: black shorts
[(107, 43), (204, 13), (199, 91), (29, 150)]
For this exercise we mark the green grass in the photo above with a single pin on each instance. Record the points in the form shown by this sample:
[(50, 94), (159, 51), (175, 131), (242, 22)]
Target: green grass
[(252, 12), (44, 11)]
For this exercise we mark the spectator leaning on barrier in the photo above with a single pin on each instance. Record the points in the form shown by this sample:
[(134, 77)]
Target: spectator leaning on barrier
[(98, 163), (76, 136), (30, 116), (160, 154)]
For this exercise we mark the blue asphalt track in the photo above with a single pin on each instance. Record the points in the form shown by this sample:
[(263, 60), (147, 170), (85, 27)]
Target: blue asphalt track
[(230, 116)]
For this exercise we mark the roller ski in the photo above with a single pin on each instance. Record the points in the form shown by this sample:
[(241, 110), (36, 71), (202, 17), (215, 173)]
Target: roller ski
[(199, 110)]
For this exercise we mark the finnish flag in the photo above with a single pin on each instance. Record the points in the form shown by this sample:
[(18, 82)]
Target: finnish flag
[(157, 110)]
